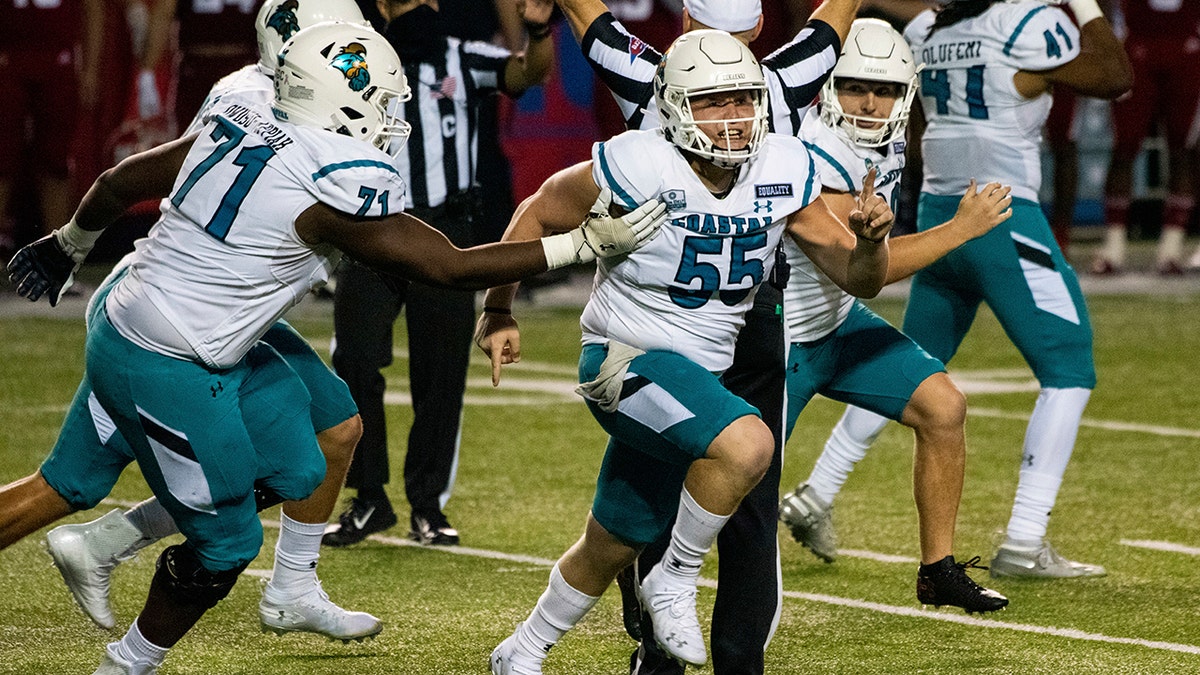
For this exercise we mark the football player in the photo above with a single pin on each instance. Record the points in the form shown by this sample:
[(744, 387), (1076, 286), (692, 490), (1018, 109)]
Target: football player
[(87, 553), (845, 351), (660, 325), (988, 67), (262, 202)]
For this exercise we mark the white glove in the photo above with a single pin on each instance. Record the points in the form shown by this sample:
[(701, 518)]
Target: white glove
[(148, 101), (603, 235)]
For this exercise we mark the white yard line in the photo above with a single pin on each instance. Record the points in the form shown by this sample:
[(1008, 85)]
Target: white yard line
[(948, 616), (1161, 546)]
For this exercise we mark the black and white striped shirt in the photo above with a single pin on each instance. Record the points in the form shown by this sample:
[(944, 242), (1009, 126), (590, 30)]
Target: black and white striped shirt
[(439, 158), (794, 72)]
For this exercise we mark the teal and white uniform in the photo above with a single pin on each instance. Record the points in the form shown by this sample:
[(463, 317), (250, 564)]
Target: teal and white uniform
[(980, 127), (681, 299), (839, 348), (89, 455), (173, 356)]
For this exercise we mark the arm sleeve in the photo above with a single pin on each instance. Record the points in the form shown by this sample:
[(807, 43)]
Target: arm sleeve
[(1042, 38), (624, 63), (797, 70)]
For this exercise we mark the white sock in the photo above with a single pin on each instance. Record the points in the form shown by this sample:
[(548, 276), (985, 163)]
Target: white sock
[(848, 444), (296, 555), (1114, 244), (1170, 244), (1049, 440), (691, 539), (556, 612), (153, 521), (135, 648)]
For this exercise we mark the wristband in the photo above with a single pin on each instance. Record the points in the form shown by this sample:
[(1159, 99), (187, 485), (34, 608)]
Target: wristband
[(1085, 11), (75, 241), (496, 310), (537, 31), (565, 249)]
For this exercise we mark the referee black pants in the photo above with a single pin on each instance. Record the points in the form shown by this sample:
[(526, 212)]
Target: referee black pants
[(748, 590), (440, 325)]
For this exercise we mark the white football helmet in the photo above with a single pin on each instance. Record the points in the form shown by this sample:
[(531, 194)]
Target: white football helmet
[(345, 78), (873, 51), (279, 20), (705, 62)]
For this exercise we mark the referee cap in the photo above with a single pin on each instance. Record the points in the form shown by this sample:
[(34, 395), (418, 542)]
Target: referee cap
[(731, 16)]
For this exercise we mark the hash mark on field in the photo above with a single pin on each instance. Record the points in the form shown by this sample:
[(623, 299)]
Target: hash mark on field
[(1108, 425), (1161, 546)]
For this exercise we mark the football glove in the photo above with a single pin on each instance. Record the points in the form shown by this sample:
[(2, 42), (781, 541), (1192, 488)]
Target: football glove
[(604, 235), (42, 268)]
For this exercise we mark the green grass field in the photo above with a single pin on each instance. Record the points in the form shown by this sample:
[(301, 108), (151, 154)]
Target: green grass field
[(529, 457)]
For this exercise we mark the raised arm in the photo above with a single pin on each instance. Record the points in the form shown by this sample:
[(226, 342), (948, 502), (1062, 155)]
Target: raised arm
[(839, 14), (854, 255), (1101, 68), (581, 13), (530, 67)]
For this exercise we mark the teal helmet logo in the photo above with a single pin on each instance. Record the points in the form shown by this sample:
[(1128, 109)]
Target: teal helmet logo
[(283, 20), (351, 60)]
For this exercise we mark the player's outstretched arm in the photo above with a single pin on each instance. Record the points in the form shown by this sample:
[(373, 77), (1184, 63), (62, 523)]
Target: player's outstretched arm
[(979, 211), (854, 254), (48, 265), (561, 205)]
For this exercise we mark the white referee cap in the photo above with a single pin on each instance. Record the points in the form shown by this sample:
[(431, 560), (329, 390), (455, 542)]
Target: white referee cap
[(731, 16)]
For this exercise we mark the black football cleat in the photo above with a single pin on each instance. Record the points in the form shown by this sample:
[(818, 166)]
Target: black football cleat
[(945, 582), (360, 519)]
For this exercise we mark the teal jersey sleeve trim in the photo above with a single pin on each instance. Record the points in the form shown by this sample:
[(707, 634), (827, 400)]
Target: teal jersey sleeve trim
[(609, 178), (330, 168), (834, 163), (1012, 40), (808, 185)]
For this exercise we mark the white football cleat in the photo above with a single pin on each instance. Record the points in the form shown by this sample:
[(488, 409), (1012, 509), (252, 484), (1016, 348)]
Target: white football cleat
[(672, 607), (115, 665), (313, 612), (507, 659), (810, 521), (86, 554), (1038, 560)]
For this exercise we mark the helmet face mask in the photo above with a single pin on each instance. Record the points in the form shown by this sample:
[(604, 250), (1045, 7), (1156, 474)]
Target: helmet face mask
[(279, 20), (706, 62), (343, 78), (874, 52)]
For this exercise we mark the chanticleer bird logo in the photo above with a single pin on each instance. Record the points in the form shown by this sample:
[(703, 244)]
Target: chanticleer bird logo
[(351, 60), (283, 19)]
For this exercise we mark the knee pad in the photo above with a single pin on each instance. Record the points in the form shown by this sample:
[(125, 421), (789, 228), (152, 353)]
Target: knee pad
[(265, 497), (186, 580)]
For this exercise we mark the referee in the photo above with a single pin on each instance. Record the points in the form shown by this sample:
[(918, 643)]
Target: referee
[(449, 79), (748, 597)]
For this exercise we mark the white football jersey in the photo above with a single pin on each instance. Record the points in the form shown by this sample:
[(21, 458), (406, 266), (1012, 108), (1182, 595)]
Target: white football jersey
[(813, 305), (688, 290), (248, 82), (979, 126), (223, 263)]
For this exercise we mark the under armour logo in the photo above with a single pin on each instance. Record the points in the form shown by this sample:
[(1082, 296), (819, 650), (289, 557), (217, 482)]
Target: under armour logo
[(1027, 460), (217, 389), (759, 206)]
